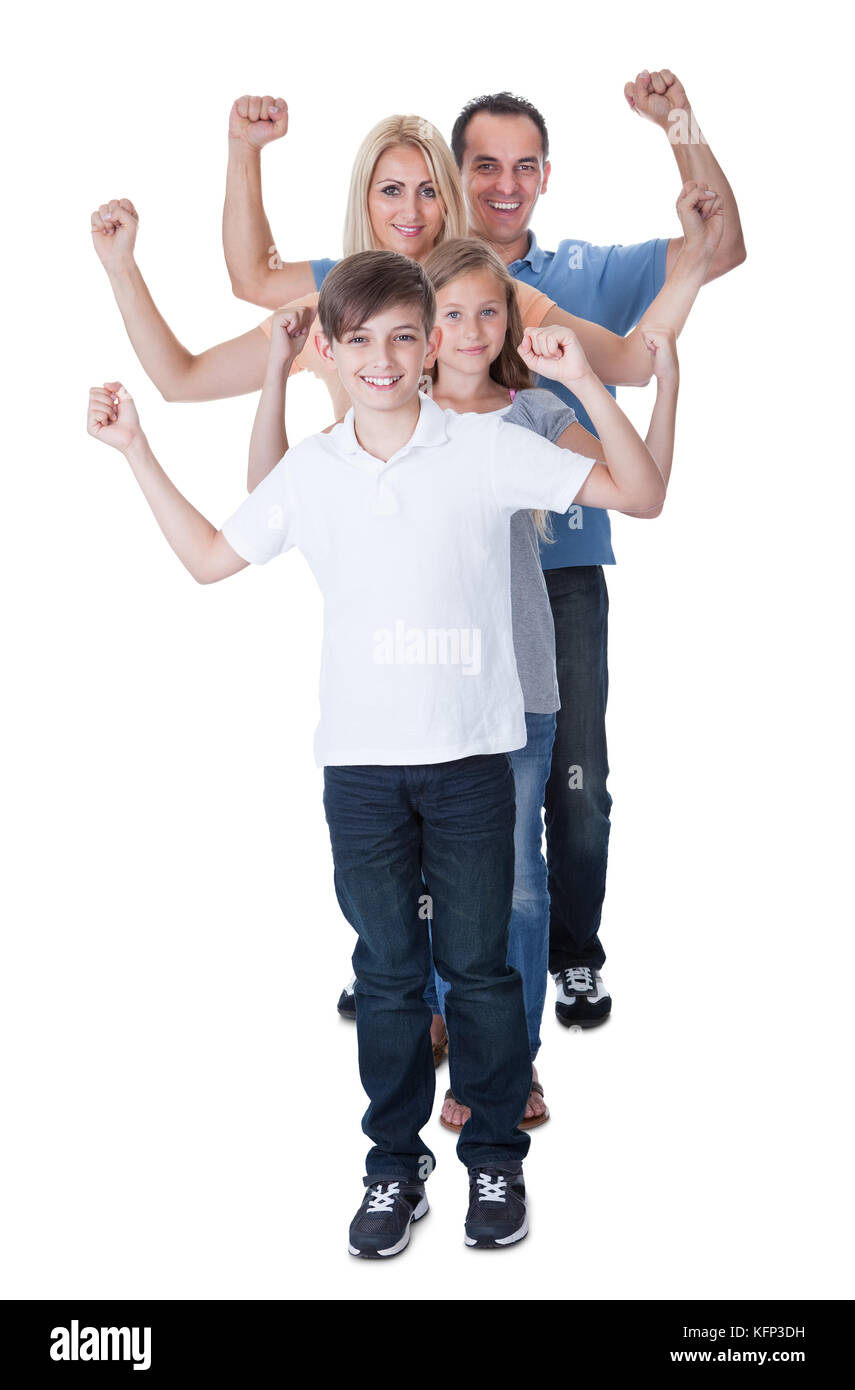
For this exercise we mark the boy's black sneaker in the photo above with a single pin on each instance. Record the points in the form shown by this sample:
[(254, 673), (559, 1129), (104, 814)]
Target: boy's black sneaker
[(497, 1208), (381, 1227), (582, 1000), (347, 1001)]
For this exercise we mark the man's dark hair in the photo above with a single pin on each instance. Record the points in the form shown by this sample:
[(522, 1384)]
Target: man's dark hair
[(363, 285), (499, 104)]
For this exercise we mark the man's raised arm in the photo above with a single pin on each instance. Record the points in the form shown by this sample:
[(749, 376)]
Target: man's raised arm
[(661, 98)]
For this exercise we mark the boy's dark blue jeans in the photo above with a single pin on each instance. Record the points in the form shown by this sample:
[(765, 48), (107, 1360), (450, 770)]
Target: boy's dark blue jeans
[(577, 802), (452, 822)]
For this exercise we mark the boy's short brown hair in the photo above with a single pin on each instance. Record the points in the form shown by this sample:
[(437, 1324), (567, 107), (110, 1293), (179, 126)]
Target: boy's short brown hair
[(362, 285)]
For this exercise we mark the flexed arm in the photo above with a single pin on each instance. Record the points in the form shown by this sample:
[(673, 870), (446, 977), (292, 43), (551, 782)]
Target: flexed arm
[(627, 361), (231, 368), (256, 271), (269, 441), (660, 97), (628, 479)]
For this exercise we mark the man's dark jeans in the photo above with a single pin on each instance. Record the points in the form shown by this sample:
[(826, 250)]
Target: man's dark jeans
[(577, 801), (454, 823)]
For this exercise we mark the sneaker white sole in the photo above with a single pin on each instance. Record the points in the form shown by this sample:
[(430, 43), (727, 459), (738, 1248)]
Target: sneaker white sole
[(421, 1210), (503, 1240)]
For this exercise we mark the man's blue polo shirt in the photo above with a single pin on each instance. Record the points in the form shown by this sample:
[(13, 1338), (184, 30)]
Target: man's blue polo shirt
[(612, 286)]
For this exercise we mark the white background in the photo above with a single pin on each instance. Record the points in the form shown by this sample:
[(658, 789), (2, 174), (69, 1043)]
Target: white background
[(181, 1103)]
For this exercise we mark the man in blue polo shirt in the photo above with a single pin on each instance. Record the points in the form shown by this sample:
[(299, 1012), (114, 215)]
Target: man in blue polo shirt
[(501, 146)]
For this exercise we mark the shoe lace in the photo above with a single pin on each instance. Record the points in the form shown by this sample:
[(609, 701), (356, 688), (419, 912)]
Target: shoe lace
[(491, 1189), (380, 1200), (578, 979)]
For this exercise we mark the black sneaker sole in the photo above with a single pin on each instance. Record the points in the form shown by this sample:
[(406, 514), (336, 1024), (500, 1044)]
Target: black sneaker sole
[(492, 1243), (566, 1014), (346, 1005), (421, 1210)]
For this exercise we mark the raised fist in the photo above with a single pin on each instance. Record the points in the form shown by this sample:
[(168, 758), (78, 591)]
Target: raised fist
[(114, 230), (258, 120), (112, 416)]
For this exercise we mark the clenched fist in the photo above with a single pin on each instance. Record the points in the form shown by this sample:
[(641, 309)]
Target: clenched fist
[(112, 416), (114, 231), (256, 121), (555, 352), (655, 95), (288, 333)]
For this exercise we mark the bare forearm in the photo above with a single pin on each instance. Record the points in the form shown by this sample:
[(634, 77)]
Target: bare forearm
[(672, 305), (269, 440), (164, 359), (247, 237), (188, 532), (632, 468), (663, 423), (660, 437), (695, 160)]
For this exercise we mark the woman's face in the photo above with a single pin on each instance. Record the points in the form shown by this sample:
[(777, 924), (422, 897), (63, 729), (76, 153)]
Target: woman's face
[(472, 313), (404, 206)]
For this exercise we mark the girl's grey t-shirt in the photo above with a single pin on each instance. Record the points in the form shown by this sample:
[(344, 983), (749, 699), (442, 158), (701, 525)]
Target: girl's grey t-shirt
[(534, 632)]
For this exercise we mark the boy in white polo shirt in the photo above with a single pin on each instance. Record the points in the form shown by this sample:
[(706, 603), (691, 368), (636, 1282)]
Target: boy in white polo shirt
[(403, 513)]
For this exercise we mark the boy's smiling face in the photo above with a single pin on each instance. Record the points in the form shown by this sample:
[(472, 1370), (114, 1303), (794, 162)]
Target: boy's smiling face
[(380, 362)]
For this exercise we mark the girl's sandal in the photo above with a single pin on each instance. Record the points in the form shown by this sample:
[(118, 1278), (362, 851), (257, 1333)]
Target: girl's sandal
[(535, 1119), (440, 1050)]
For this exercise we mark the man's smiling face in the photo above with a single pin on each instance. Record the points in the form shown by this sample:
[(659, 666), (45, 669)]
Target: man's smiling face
[(503, 174)]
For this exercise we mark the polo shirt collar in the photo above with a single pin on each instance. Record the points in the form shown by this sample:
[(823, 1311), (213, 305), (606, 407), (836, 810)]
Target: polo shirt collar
[(533, 256), (430, 430)]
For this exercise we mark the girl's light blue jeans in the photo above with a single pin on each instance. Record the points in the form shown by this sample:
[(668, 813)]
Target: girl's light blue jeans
[(528, 942)]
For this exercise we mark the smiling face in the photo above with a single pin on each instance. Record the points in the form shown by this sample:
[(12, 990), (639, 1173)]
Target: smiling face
[(504, 174), (472, 315), (380, 362), (406, 212)]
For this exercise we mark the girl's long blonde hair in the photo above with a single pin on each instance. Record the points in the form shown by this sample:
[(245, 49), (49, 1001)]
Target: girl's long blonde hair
[(460, 256), (421, 135)]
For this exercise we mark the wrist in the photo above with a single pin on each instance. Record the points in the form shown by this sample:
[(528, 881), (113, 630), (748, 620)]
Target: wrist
[(241, 151), (137, 451), (582, 385), (121, 267)]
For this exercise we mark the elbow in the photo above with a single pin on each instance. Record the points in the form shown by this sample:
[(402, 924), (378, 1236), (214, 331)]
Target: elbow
[(240, 289)]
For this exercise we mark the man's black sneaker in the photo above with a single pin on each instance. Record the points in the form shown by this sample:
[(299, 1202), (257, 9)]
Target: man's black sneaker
[(582, 999), (382, 1224), (497, 1208), (347, 1001)]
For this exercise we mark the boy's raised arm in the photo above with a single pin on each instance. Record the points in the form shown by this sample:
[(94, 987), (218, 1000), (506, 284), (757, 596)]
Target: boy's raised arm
[(629, 479), (201, 548)]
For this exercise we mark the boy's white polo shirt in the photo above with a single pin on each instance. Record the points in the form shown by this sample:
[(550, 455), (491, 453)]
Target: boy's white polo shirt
[(413, 559)]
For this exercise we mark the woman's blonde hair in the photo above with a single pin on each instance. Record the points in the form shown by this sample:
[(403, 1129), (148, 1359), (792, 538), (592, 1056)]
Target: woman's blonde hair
[(463, 256), (421, 135)]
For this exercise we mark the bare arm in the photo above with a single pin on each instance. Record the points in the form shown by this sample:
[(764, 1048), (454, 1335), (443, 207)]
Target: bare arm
[(660, 433), (256, 271), (269, 440), (628, 479), (231, 368), (661, 98), (201, 548), (627, 361)]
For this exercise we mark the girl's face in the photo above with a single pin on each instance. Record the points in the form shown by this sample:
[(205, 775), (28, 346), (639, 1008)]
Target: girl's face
[(404, 206), (472, 313)]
